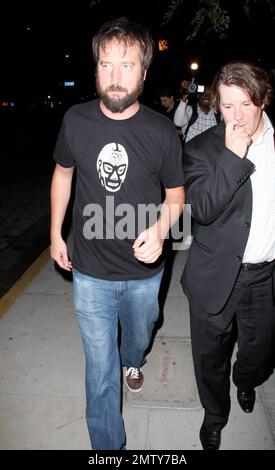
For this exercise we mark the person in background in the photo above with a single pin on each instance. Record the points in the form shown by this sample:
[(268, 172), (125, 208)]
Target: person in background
[(229, 274), (195, 117), (168, 105), (124, 154), (167, 102)]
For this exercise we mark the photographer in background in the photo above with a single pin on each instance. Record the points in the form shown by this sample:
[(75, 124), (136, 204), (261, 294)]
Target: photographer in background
[(194, 117)]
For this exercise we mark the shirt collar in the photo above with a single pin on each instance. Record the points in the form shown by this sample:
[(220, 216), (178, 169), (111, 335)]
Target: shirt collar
[(267, 128)]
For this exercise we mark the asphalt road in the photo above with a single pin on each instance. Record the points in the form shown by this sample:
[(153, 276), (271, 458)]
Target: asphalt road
[(27, 140)]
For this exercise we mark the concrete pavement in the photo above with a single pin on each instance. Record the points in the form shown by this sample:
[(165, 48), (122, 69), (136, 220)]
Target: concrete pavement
[(42, 376)]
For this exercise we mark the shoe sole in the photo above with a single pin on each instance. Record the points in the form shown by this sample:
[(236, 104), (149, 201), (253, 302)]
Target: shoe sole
[(137, 390)]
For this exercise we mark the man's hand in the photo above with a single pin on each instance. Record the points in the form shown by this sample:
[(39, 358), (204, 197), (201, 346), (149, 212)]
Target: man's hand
[(184, 97), (237, 139), (60, 254), (148, 246)]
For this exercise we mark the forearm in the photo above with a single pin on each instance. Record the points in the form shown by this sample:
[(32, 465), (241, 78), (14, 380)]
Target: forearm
[(210, 188), (181, 117), (149, 244), (171, 210), (60, 196)]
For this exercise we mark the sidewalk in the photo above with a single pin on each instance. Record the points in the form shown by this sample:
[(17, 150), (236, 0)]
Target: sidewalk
[(42, 383)]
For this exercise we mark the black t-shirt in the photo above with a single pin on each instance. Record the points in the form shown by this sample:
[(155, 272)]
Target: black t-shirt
[(169, 114), (120, 167)]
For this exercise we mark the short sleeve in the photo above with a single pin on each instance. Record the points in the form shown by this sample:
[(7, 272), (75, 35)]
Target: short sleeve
[(62, 153), (171, 171)]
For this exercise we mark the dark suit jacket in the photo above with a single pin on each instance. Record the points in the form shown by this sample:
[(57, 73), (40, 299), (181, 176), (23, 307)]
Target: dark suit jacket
[(218, 187)]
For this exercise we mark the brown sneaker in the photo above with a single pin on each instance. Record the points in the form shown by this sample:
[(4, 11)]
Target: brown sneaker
[(134, 379)]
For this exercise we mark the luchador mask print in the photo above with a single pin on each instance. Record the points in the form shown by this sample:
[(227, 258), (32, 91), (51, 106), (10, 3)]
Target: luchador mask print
[(112, 165)]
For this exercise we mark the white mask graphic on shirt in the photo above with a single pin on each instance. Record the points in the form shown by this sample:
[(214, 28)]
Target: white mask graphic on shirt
[(112, 165)]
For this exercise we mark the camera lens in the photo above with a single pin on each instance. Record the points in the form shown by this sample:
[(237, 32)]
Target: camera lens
[(192, 88)]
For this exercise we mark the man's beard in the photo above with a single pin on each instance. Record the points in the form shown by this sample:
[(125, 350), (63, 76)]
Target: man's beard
[(118, 105)]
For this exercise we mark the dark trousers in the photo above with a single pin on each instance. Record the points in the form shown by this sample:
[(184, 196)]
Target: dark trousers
[(251, 305)]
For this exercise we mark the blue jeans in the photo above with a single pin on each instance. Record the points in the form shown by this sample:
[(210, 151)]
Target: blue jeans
[(99, 304)]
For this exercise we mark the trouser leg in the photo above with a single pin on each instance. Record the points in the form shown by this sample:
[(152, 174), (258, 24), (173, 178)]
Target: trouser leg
[(256, 329), (211, 346), (138, 313), (96, 310)]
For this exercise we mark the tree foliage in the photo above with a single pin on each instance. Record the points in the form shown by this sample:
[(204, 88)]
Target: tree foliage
[(208, 16), (211, 15)]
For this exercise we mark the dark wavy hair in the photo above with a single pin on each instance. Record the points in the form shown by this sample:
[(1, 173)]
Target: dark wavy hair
[(247, 76), (128, 33)]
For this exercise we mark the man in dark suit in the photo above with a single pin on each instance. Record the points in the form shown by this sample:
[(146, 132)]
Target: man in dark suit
[(229, 181)]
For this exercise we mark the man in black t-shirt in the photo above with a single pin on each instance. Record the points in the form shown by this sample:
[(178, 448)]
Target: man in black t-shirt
[(168, 105), (167, 102), (124, 154)]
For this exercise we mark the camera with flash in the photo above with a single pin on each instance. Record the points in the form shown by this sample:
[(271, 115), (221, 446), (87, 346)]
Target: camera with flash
[(192, 87)]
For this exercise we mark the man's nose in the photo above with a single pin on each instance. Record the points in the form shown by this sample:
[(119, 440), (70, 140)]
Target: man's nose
[(238, 114), (116, 76)]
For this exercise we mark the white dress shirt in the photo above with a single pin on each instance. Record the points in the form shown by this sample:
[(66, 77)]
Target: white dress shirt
[(261, 241)]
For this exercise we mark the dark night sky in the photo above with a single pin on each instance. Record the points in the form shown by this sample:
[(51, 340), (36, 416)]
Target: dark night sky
[(33, 61)]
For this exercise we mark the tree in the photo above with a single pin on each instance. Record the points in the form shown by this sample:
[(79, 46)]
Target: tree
[(212, 16), (207, 17)]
